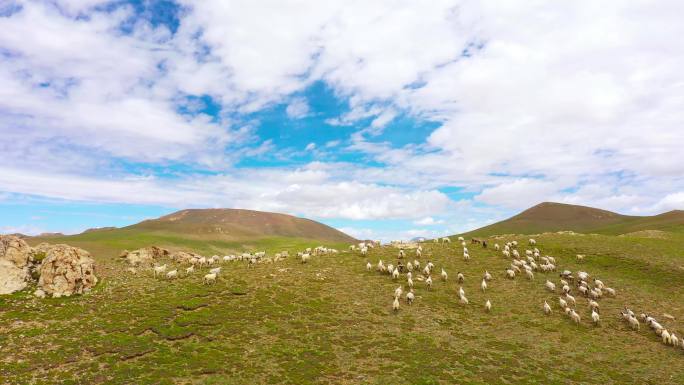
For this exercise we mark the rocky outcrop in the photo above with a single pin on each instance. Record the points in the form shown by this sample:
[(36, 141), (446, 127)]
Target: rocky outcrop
[(145, 256), (16, 257), (183, 257), (67, 270)]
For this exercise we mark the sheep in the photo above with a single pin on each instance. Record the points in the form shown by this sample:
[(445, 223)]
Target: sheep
[(381, 266), (409, 267), (461, 292), (674, 341), (416, 264), (215, 270), (665, 335), (488, 306), (395, 305), (190, 270), (575, 317), (466, 257), (305, 257), (159, 269), (487, 276), (510, 273), (431, 265), (483, 285), (593, 305), (460, 277), (532, 241), (563, 282), (497, 247), (529, 274), (610, 291), (419, 253), (598, 283), (401, 254), (461, 239), (410, 297), (426, 270), (395, 274), (595, 317), (202, 261), (209, 278), (463, 300), (570, 298), (409, 275), (398, 292), (566, 289), (547, 308), (369, 266), (562, 303), (428, 282), (506, 253), (550, 286), (409, 282), (633, 322), (172, 274), (444, 275), (446, 240), (583, 275)]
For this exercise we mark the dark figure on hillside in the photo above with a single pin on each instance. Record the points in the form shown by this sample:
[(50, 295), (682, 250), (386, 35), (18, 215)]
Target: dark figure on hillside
[(484, 244), (400, 266)]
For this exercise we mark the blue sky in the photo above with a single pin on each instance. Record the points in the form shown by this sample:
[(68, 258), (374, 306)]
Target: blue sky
[(386, 120)]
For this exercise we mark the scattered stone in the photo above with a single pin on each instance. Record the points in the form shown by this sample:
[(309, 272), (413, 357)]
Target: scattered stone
[(67, 270), (145, 256), (15, 261), (39, 293), (184, 257)]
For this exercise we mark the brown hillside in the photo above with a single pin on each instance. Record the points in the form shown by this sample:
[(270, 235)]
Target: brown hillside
[(240, 224)]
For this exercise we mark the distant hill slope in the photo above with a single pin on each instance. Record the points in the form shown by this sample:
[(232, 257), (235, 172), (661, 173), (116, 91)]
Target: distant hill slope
[(209, 231), (551, 217)]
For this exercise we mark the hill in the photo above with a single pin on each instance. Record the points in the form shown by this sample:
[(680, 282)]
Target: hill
[(551, 217), (210, 231)]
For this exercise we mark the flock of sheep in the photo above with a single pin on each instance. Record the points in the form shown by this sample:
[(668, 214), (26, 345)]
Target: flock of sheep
[(570, 285), (197, 262)]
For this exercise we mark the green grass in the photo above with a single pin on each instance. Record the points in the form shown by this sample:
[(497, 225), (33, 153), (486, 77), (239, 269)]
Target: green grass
[(330, 321)]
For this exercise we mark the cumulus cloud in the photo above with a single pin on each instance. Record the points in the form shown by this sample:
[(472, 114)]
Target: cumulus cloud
[(297, 109)]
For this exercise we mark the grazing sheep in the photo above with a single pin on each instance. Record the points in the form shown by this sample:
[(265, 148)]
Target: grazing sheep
[(593, 305), (610, 291), (529, 274), (483, 285), (488, 306), (633, 322), (416, 264), (190, 270), (570, 298), (595, 317), (381, 266), (550, 286), (209, 278), (390, 269), (665, 335), (575, 317), (487, 276), (562, 303), (446, 240), (202, 261), (466, 257), (215, 270), (598, 283), (159, 269), (428, 282), (583, 275), (532, 242), (305, 257), (409, 282), (409, 267), (566, 289), (426, 270), (398, 292), (395, 304), (172, 274), (463, 300), (369, 266), (461, 292), (547, 308), (497, 247), (444, 275), (510, 273), (410, 297), (395, 274), (460, 277), (409, 275), (419, 253)]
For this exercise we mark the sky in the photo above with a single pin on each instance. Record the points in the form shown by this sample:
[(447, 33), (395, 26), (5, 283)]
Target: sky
[(385, 119)]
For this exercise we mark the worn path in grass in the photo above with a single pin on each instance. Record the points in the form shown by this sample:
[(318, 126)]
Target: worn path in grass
[(330, 321)]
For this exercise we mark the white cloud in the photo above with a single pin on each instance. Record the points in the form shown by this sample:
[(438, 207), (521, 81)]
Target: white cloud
[(310, 146), (297, 109), (428, 221)]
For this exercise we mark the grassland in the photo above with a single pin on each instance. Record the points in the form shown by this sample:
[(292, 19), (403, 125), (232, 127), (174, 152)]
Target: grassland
[(330, 321)]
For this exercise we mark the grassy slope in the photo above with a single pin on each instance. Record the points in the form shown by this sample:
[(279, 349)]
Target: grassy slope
[(330, 321), (551, 217)]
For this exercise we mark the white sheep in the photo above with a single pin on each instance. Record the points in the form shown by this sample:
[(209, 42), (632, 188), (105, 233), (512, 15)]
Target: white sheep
[(595, 317), (510, 273), (593, 304), (483, 285), (550, 286), (488, 306), (562, 303), (487, 276), (305, 257), (529, 274), (460, 277), (444, 275), (633, 322), (159, 269), (547, 308), (416, 264), (409, 267), (497, 247), (190, 270), (395, 274), (575, 317), (461, 292), (215, 270), (369, 266), (410, 297), (172, 274), (398, 292), (209, 278), (428, 282), (409, 282), (570, 298), (610, 291), (532, 242), (598, 283), (463, 300), (395, 304)]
